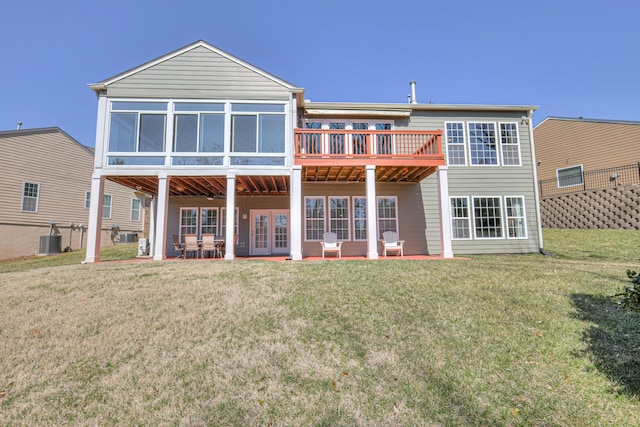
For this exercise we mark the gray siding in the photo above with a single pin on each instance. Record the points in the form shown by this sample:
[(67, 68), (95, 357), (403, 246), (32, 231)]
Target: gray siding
[(198, 74), (482, 181)]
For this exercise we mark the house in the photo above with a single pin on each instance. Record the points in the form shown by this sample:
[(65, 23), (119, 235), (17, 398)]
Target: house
[(216, 141), (45, 191), (581, 184)]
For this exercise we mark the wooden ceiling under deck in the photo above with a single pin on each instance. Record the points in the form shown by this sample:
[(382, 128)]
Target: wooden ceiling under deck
[(204, 186)]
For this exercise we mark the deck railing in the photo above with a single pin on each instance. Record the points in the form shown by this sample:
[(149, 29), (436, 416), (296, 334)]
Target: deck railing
[(393, 144)]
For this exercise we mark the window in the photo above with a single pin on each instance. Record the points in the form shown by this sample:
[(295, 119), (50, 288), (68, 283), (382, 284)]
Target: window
[(510, 144), (30, 193), (516, 223), (134, 131), (260, 132), (359, 218), (483, 144), (199, 132), (455, 144), (569, 177), (209, 220), (188, 221), (339, 217), (87, 199), (460, 219), (487, 217), (223, 221), (314, 218), (106, 206), (135, 209), (387, 215)]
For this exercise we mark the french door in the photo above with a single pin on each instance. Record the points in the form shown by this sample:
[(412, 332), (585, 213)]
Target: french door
[(269, 232)]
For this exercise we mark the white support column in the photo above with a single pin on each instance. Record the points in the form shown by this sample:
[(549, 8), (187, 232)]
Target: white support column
[(372, 213), (229, 238), (152, 226), (296, 212), (95, 219), (446, 250), (162, 210)]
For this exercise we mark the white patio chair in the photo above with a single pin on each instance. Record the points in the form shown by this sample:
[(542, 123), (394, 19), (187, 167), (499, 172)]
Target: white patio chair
[(390, 242), (330, 244)]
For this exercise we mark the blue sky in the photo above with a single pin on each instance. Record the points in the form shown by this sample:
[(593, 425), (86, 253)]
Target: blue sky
[(571, 58)]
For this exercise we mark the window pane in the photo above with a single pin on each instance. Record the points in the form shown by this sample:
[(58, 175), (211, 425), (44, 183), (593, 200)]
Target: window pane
[(244, 134), (123, 132), (314, 218), (482, 142), (212, 133), (139, 106), (360, 218), (188, 221), (516, 217), (137, 161), (510, 145), (186, 133), (258, 108), (152, 132), (455, 144), (387, 215), (271, 134), (30, 197), (570, 176), (196, 161), (106, 206), (487, 217), (198, 106), (87, 200), (460, 227), (209, 220), (135, 209), (339, 216), (257, 161)]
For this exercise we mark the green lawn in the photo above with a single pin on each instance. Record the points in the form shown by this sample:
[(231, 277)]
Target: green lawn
[(495, 340)]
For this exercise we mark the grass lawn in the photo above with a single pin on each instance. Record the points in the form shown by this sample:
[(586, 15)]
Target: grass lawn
[(515, 340)]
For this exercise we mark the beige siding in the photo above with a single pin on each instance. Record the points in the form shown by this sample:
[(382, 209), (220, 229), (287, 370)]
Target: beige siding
[(198, 74), (63, 169), (595, 145)]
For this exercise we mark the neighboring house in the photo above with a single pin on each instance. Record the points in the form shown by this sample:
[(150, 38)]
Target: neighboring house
[(217, 141), (588, 172), (45, 189)]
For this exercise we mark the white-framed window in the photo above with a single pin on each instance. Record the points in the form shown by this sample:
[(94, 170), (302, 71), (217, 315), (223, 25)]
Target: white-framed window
[(87, 199), (209, 220), (510, 143), (257, 128), (460, 218), (198, 127), (454, 135), (30, 196), (188, 221), (314, 217), (223, 221), (387, 214), (487, 217), (137, 127), (516, 219), (483, 143), (571, 176), (135, 209), (359, 218), (107, 201), (339, 217)]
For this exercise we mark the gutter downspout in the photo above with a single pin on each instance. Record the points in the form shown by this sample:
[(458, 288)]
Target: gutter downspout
[(535, 180)]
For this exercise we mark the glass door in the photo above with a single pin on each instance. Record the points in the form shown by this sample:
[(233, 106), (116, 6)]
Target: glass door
[(260, 233)]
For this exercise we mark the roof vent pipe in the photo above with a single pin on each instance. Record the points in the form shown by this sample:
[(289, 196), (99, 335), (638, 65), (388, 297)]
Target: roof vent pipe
[(19, 124), (413, 92)]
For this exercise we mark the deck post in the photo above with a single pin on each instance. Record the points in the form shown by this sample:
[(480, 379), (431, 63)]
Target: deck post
[(229, 245), (446, 250), (161, 218), (372, 213), (296, 212), (95, 219)]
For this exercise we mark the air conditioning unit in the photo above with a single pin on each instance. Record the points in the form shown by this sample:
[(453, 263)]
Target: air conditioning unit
[(143, 247)]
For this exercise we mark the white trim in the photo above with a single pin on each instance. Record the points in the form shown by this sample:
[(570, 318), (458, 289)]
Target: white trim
[(468, 218), (348, 219), (372, 212), (223, 217), (24, 184), (295, 204), (306, 220), (500, 210), (517, 127), (496, 129), (465, 143), (536, 190), (524, 218), (571, 167), (395, 198)]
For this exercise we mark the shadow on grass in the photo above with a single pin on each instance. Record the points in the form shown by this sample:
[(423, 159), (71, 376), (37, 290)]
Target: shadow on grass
[(613, 339)]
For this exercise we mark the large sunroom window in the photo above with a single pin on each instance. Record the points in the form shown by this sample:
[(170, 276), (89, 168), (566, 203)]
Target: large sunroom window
[(198, 129), (257, 128), (137, 131)]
